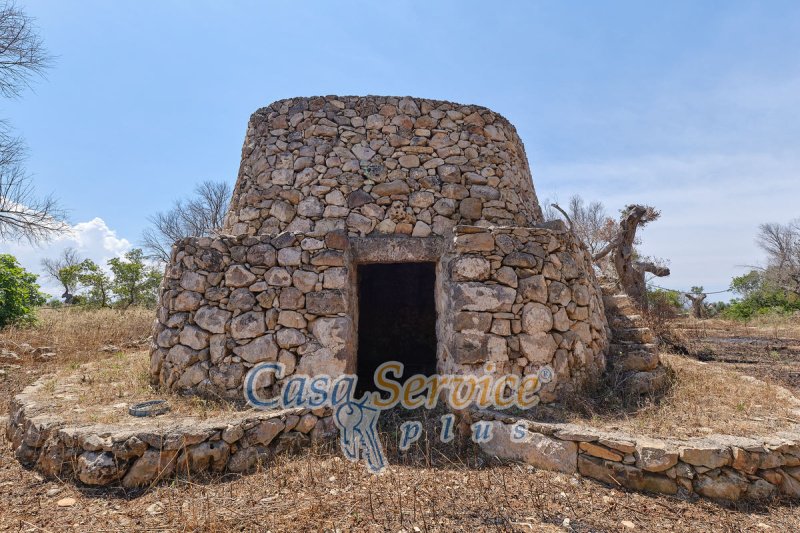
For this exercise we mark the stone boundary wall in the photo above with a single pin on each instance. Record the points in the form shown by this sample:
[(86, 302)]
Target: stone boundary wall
[(379, 165), (139, 453), (719, 467), (144, 451), (524, 298), (518, 297)]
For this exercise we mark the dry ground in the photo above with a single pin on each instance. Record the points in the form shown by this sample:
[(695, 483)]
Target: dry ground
[(427, 489), (765, 348)]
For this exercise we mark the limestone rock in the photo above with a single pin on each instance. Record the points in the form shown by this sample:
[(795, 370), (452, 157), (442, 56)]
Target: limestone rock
[(98, 468), (151, 466), (536, 449), (239, 276), (536, 318), (212, 319), (258, 350), (248, 325), (470, 268), (480, 297)]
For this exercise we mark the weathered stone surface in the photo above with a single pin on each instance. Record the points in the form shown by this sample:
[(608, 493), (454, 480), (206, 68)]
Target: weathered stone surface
[(476, 242), (206, 456), (258, 350), (474, 347), (655, 456), (248, 325), (480, 297), (264, 432), (243, 460), (212, 319), (470, 268), (290, 337), (187, 301), (709, 456), (533, 289), (239, 276), (539, 348), (391, 188), (241, 300), (536, 449), (599, 451), (192, 281), (151, 466), (475, 321), (615, 474), (536, 318), (98, 468), (722, 484), (193, 337), (335, 334), (321, 362), (328, 302)]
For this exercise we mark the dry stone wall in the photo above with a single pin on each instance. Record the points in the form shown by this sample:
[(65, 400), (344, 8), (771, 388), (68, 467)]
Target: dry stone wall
[(520, 298), (524, 298), (379, 165), (328, 183), (720, 467), (140, 452), (228, 304)]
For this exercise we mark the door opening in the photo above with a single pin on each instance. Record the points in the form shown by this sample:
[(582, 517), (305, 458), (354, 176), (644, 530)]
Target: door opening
[(396, 319)]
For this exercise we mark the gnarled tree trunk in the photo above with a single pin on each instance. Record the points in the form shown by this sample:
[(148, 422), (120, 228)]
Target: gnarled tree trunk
[(698, 307), (630, 271)]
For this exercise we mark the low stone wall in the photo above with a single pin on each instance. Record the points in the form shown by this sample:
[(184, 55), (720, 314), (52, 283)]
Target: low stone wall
[(719, 466), (524, 298), (140, 452)]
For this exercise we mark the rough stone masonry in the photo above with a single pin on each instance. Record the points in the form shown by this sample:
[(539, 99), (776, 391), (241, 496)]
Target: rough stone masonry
[(329, 183)]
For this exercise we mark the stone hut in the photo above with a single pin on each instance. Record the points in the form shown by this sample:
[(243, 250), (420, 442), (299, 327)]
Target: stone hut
[(368, 229)]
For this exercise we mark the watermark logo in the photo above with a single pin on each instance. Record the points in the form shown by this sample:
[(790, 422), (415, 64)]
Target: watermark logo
[(357, 419)]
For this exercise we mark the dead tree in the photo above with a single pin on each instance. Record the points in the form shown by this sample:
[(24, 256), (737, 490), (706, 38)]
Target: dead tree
[(698, 307), (24, 215), (631, 271)]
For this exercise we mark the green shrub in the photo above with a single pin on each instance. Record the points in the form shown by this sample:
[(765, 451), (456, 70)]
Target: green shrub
[(19, 292)]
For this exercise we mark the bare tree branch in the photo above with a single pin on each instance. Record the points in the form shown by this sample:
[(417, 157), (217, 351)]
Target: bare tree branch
[(566, 216), (202, 214), (23, 214), (22, 53)]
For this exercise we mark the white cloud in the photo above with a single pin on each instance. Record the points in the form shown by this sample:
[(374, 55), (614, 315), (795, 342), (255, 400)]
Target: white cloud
[(92, 239)]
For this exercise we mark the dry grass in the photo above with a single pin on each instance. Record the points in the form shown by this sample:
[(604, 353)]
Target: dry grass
[(429, 488), (320, 491), (767, 348), (704, 399), (109, 385), (76, 334)]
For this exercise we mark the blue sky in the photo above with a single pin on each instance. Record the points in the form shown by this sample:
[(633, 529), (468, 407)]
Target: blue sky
[(691, 106)]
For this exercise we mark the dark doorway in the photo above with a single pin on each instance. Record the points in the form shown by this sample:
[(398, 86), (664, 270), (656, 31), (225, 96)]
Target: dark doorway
[(396, 319)]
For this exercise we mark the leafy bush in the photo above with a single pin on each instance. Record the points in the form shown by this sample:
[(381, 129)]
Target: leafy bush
[(19, 292), (760, 297)]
